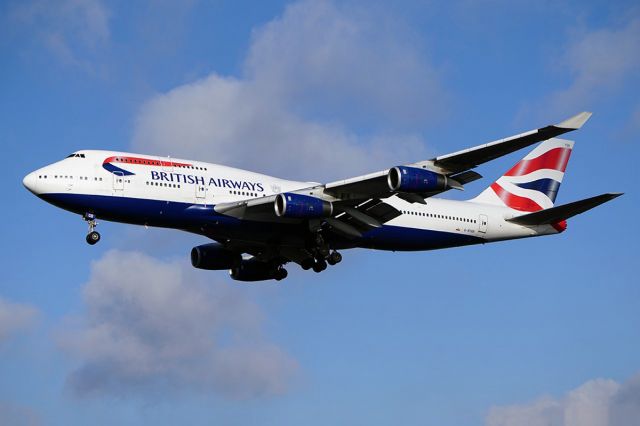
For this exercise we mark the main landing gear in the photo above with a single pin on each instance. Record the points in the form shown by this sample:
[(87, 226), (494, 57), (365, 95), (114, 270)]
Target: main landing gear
[(321, 256), (280, 273), (93, 236)]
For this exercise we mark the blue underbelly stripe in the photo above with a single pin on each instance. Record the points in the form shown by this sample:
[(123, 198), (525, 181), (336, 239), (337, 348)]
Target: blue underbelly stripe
[(194, 217)]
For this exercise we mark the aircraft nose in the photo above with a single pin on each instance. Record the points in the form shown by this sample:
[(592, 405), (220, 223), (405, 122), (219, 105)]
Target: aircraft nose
[(30, 182)]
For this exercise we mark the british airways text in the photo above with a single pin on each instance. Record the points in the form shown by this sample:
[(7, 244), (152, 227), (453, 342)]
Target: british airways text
[(200, 180)]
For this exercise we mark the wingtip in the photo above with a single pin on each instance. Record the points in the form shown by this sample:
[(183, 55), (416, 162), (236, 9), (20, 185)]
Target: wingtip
[(575, 122)]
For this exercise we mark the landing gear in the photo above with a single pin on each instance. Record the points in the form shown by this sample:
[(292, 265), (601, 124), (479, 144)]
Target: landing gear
[(334, 258), (93, 236), (307, 263), (280, 274), (321, 253), (320, 265)]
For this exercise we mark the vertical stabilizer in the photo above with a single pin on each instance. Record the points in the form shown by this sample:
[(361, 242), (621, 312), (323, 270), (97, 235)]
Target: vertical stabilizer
[(532, 184)]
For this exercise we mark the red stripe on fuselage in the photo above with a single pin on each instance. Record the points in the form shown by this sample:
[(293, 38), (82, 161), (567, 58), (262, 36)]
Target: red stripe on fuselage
[(144, 161), (515, 201), (554, 159)]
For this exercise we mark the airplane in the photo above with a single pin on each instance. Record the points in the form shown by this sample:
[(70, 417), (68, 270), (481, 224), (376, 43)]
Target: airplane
[(259, 223)]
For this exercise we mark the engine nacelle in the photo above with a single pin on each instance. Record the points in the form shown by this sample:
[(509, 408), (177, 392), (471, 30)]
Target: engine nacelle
[(301, 206), (253, 270), (214, 257), (412, 179)]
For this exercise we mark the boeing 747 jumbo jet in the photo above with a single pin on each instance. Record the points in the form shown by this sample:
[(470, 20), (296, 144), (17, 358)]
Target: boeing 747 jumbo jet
[(260, 223)]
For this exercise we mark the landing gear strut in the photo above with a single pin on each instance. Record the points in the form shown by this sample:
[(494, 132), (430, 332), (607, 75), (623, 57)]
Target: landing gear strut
[(93, 236)]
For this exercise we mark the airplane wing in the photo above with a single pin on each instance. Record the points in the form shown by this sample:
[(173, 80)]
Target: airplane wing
[(345, 219), (472, 157), (352, 206), (455, 166)]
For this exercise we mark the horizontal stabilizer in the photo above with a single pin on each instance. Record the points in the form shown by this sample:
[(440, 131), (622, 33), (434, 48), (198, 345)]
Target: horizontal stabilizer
[(559, 213)]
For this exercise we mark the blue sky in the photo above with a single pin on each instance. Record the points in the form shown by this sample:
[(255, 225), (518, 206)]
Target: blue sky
[(544, 331)]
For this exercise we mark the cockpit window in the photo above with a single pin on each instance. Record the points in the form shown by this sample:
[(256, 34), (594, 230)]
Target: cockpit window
[(75, 155)]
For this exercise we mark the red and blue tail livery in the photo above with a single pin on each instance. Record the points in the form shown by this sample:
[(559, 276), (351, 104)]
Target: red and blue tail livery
[(254, 225), (533, 183)]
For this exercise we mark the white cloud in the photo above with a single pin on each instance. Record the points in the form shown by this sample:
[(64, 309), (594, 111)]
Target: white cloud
[(599, 62), (15, 317), (153, 326), (316, 60), (226, 121), (329, 57), (598, 402), (70, 29)]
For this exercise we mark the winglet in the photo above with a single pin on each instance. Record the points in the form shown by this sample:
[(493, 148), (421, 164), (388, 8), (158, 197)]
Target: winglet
[(575, 122)]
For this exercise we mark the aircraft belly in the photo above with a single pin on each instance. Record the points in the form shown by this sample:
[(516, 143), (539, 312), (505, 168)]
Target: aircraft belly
[(400, 238), (138, 210), (204, 220)]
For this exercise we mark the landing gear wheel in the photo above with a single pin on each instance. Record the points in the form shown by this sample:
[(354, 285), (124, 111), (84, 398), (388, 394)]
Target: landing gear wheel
[(334, 258), (307, 263), (320, 265), (281, 274), (93, 237)]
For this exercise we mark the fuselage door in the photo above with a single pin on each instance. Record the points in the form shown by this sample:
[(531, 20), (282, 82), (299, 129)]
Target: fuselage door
[(483, 223), (118, 181)]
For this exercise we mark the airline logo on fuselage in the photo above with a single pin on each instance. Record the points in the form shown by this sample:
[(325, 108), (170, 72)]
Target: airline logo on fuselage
[(109, 164), (242, 185), (201, 180)]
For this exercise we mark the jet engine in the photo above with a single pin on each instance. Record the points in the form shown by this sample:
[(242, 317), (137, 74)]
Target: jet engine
[(214, 257), (412, 179), (301, 206)]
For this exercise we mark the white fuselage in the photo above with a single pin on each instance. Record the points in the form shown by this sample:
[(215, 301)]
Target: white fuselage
[(145, 189)]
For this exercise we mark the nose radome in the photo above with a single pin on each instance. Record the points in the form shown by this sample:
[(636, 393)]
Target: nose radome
[(30, 182)]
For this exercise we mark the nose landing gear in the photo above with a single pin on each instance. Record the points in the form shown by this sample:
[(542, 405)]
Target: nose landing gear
[(93, 236)]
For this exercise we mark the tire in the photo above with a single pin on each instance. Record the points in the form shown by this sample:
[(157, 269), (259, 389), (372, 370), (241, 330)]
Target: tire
[(93, 237), (319, 266), (335, 257), (281, 274), (307, 263)]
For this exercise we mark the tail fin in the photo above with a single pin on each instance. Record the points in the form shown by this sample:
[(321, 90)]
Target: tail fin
[(533, 183)]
